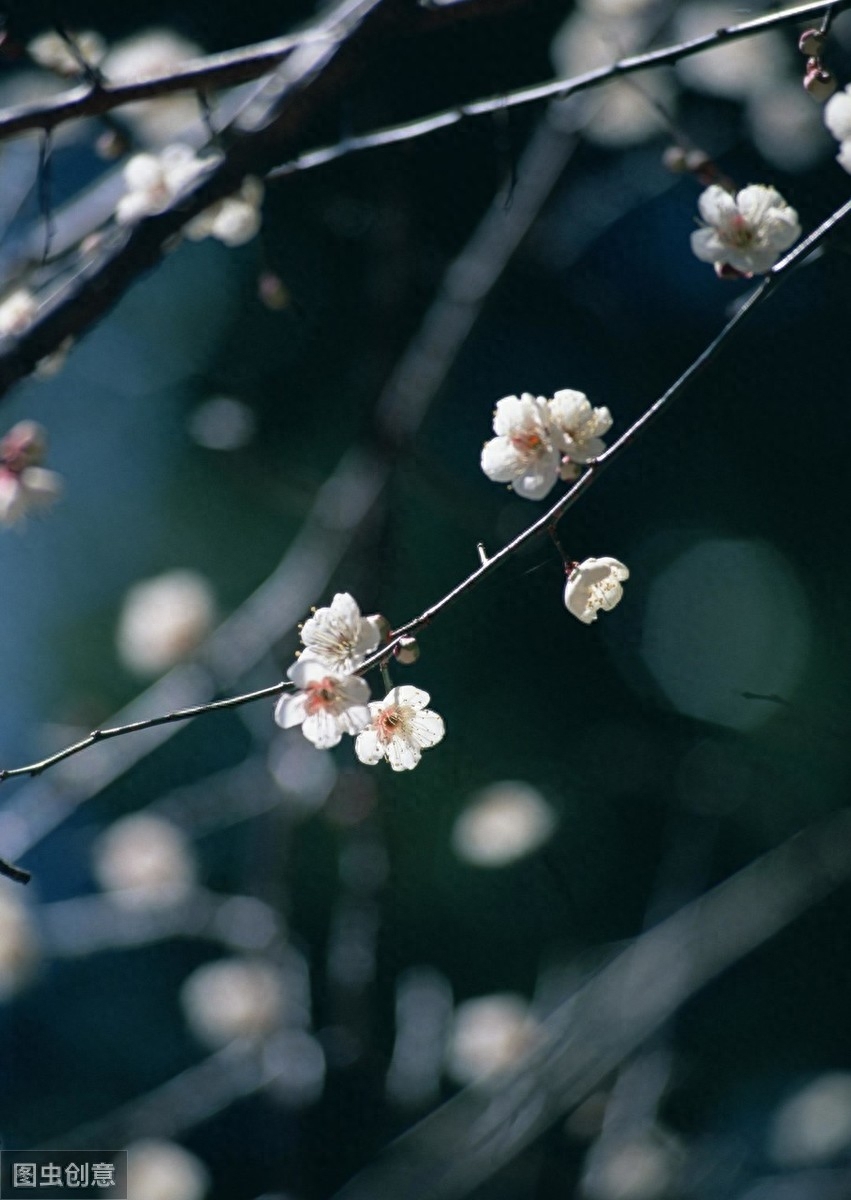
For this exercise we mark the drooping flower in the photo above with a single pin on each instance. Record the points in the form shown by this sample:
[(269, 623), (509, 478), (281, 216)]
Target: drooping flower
[(234, 220), (577, 427), (400, 729), (748, 231), (339, 637), (326, 705), (24, 485), (522, 453), (592, 585), (837, 117)]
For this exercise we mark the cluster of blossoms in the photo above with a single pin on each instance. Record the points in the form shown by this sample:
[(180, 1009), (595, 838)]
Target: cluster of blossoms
[(332, 699), (154, 180), (746, 233), (540, 441), (24, 484)]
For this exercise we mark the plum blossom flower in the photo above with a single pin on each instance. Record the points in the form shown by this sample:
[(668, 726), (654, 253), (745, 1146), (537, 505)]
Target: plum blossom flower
[(339, 637), (153, 180), (748, 231), (17, 312), (576, 426), (24, 485), (326, 705), (158, 1168), (234, 220), (837, 117), (522, 453), (51, 51), (400, 729), (155, 51), (164, 620), (592, 585)]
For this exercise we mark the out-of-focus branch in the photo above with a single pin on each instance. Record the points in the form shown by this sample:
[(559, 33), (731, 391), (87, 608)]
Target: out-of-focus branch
[(475, 1134), (216, 71)]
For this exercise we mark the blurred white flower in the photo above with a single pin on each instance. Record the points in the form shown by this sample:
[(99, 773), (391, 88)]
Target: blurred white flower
[(576, 426), (25, 486), (50, 366), (163, 620), (522, 453), (748, 231), (786, 126), (153, 180), (592, 585), (154, 52), (19, 947), (814, 1125), (401, 727), (160, 1170), (144, 861), (222, 423), (837, 117), (234, 220), (17, 312), (488, 1034), (502, 824), (339, 636), (733, 69), (51, 51), (233, 998), (326, 705), (640, 1166)]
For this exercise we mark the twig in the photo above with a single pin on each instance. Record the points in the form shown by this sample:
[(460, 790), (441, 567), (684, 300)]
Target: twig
[(543, 525)]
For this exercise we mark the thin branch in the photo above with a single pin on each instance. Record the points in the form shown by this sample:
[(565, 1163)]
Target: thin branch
[(544, 524), (559, 89), (217, 71)]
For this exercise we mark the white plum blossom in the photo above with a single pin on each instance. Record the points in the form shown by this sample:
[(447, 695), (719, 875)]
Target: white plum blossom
[(144, 862), (160, 1170), (234, 220), (576, 426), (592, 585), (503, 823), (326, 705), (522, 453), (156, 51), (163, 620), (234, 998), (339, 637), (153, 180), (400, 729), (488, 1034), (837, 117), (51, 51), (748, 231), (24, 485), (17, 312)]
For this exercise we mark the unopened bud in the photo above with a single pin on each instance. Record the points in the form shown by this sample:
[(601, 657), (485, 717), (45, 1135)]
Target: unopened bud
[(725, 271), (819, 82), (699, 164), (111, 145), (271, 291), (383, 625), (812, 42), (675, 159), (407, 651)]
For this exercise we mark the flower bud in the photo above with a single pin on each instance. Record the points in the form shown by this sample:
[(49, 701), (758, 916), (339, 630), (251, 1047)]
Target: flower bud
[(812, 42), (818, 81), (407, 651), (271, 292), (675, 159), (111, 144)]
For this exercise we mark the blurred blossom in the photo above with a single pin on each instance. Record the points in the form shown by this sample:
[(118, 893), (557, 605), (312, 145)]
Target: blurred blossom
[(488, 1034), (221, 423), (640, 1166), (814, 1125), (163, 620), (160, 1170), (51, 51), (306, 779), (233, 220), (786, 126), (423, 1013), (153, 180), (502, 824), (154, 52), (19, 950), (734, 69), (748, 231), (24, 485), (17, 312), (294, 1061), (233, 998), (837, 118), (144, 861)]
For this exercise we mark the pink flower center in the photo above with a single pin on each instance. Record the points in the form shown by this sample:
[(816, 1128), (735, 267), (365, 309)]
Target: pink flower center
[(739, 232), (527, 443), (320, 695), (387, 723)]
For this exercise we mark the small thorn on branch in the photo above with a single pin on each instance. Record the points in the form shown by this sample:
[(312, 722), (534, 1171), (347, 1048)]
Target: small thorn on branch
[(483, 557)]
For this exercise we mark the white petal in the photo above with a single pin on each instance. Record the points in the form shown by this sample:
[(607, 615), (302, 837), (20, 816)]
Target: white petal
[(322, 729), (410, 696), (402, 754), (368, 748), (539, 477), (717, 207), (501, 460), (41, 487), (236, 223), (614, 565), (706, 244), (343, 607), (837, 115), (427, 729), (844, 156), (307, 669), (756, 200), (509, 415), (291, 710), (353, 720), (353, 690)]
